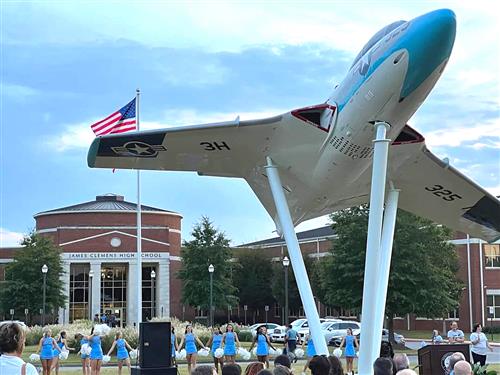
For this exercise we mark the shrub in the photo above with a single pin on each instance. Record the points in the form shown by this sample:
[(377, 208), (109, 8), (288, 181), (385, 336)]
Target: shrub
[(245, 336)]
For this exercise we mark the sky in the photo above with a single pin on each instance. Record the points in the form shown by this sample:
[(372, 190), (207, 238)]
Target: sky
[(66, 65)]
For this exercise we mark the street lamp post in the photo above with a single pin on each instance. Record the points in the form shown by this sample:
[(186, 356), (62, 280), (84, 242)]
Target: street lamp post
[(91, 279), (45, 269), (286, 264), (153, 277), (211, 270)]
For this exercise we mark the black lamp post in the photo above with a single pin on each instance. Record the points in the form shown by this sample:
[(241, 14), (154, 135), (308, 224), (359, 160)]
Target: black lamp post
[(91, 278), (286, 264), (45, 269), (211, 270), (153, 278)]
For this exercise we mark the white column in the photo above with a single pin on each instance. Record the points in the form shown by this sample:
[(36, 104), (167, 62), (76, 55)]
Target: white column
[(379, 170), (64, 312), (163, 288), (483, 307), (96, 288), (131, 292), (299, 269)]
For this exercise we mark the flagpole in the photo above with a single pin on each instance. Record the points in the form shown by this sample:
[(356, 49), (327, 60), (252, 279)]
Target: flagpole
[(139, 227)]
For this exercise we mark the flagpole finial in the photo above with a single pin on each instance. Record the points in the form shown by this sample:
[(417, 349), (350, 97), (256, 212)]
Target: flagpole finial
[(138, 90)]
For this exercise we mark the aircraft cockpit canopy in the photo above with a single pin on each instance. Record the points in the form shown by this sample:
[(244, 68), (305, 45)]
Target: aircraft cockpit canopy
[(374, 39)]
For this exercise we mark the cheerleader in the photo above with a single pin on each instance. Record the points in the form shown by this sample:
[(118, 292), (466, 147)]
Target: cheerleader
[(46, 348), (263, 344), (228, 342), (190, 340), (350, 342), (121, 352), (84, 357), (95, 353), (311, 351), (214, 343), (62, 344), (174, 345)]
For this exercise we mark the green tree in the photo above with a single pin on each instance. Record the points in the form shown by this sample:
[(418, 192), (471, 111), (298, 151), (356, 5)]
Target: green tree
[(209, 246), (423, 272), (254, 279), (23, 285)]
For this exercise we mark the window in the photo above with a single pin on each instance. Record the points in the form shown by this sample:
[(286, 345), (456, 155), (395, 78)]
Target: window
[(79, 292), (114, 293), (148, 292), (493, 304), (454, 315), (492, 253), (277, 309)]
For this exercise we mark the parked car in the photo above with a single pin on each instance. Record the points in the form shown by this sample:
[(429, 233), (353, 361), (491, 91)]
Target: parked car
[(338, 328), (335, 341), (300, 325), (253, 328)]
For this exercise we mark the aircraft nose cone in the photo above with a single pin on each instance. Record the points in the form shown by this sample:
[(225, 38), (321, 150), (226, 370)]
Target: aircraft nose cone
[(441, 27)]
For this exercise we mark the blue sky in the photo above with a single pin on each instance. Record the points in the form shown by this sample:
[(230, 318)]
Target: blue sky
[(65, 65)]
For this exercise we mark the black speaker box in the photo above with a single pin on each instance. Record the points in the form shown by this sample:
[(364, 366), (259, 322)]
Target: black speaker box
[(154, 371), (154, 345)]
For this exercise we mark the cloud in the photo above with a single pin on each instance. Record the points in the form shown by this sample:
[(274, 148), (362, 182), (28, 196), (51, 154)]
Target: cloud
[(458, 135), (18, 92), (9, 238)]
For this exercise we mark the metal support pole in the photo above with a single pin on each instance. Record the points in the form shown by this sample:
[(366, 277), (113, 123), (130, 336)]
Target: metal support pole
[(211, 322), (370, 340), (286, 296), (296, 259), (391, 209), (91, 318), (43, 308)]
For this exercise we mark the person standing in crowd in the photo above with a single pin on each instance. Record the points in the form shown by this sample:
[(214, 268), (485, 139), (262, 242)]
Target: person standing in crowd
[(351, 344), (231, 369), (480, 345), (383, 366), (83, 356), (62, 344), (291, 337), (190, 340), (436, 337), (462, 368), (254, 368), (282, 360), (454, 358), (335, 366), (121, 352), (95, 352), (174, 345), (12, 342), (401, 362), (455, 335), (263, 344), (229, 341), (310, 351), (214, 343), (319, 365), (46, 348)]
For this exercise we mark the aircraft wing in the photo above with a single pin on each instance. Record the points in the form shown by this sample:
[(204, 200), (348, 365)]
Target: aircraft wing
[(433, 189)]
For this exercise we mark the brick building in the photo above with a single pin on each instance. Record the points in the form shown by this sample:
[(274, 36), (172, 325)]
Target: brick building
[(98, 242)]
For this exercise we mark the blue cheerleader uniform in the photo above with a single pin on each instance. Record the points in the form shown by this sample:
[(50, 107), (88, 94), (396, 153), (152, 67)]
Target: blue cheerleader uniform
[(262, 348), (230, 347), (47, 352), (95, 344), (60, 344), (216, 341), (172, 344), (121, 350), (349, 346), (83, 341), (311, 351), (190, 344)]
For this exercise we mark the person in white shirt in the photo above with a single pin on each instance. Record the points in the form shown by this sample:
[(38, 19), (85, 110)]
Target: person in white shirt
[(12, 339), (455, 335), (480, 345)]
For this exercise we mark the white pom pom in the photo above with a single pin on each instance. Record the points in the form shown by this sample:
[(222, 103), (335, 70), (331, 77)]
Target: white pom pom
[(337, 352), (254, 351), (203, 352), (106, 359), (357, 354), (34, 357), (102, 329), (246, 356), (182, 354), (299, 352), (63, 355), (274, 352), (133, 354), (86, 349), (219, 353), (243, 353)]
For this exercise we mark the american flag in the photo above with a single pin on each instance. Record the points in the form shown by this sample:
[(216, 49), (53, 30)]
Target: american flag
[(120, 121)]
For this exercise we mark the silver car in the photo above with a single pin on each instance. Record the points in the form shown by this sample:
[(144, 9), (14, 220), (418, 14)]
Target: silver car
[(338, 329)]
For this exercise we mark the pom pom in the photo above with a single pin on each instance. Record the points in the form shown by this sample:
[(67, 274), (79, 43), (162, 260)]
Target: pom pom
[(86, 349), (299, 353), (275, 352), (182, 354), (133, 354), (34, 357), (246, 356), (63, 355), (106, 359), (102, 329), (254, 351), (337, 352), (219, 353), (203, 352)]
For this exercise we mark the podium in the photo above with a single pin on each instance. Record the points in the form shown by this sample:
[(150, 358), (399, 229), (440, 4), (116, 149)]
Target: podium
[(433, 359)]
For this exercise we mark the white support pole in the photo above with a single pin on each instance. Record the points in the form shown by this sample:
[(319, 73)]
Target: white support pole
[(390, 212), (469, 284), (379, 171), (296, 259), (139, 230)]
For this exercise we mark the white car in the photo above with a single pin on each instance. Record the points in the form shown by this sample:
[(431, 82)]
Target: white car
[(299, 325), (338, 328), (253, 328)]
